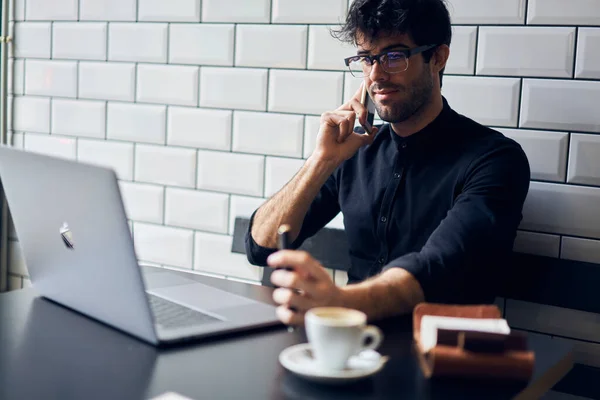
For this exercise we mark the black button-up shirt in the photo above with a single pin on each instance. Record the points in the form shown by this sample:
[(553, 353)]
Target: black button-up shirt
[(443, 203)]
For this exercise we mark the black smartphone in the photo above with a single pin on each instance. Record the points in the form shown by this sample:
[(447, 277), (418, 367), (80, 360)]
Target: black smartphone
[(366, 101)]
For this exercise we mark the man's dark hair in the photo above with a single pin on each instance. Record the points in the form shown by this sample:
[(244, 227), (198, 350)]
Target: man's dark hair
[(425, 21)]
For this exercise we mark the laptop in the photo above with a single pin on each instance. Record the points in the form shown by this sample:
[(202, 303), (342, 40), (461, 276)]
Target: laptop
[(77, 244)]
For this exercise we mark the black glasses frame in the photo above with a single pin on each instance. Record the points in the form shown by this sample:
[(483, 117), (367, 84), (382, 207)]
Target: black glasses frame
[(377, 57)]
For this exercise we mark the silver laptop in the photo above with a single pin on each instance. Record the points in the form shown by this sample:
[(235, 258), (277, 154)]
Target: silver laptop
[(73, 231)]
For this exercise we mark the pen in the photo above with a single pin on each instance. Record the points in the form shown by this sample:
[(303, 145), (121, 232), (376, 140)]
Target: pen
[(283, 242)]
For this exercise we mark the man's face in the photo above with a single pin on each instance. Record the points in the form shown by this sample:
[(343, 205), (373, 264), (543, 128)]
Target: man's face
[(397, 96)]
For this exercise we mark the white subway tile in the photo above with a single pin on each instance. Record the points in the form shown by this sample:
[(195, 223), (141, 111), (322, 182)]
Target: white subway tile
[(340, 278), (231, 172), (16, 82), (337, 222), (143, 202), (135, 41), (462, 50), (282, 46), (554, 12), (51, 78), (305, 92), (236, 10), (201, 128), (580, 250), (526, 51), (169, 11), (573, 210), (14, 282), (584, 163), (201, 44), (546, 152), (325, 51), (55, 10), (217, 86), (113, 155), (279, 171), (487, 12), (268, 133), (17, 140), (12, 234), (560, 104), (79, 117), (26, 283), (107, 81), (310, 11), (311, 131), (107, 10), (31, 114), (351, 86), (55, 146), (489, 101), (136, 122), (19, 10), (213, 254), (168, 84), (242, 207), (16, 262), (32, 39), (197, 210), (588, 53), (79, 41), (164, 245), (537, 243), (164, 165)]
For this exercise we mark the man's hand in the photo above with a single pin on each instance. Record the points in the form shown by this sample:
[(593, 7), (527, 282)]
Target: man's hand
[(307, 286)]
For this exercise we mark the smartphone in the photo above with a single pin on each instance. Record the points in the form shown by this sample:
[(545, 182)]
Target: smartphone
[(366, 101)]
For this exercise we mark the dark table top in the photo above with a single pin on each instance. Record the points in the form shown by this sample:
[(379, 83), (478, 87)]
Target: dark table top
[(50, 352)]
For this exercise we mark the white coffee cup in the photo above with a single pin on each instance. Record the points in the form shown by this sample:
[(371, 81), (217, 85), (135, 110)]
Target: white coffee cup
[(335, 334)]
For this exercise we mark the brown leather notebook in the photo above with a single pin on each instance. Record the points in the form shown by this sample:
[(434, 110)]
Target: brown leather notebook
[(468, 353)]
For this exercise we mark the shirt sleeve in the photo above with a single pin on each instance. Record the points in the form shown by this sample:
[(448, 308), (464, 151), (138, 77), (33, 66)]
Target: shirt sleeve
[(323, 209), (478, 232)]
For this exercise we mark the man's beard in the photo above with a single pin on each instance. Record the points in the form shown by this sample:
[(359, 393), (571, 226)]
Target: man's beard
[(419, 94)]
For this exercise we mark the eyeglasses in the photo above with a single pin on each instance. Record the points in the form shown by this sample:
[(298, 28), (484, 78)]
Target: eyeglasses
[(392, 62)]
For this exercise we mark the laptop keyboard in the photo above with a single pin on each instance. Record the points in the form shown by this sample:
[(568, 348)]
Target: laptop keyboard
[(172, 315)]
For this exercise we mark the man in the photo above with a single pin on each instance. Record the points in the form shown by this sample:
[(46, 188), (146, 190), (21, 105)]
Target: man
[(431, 201)]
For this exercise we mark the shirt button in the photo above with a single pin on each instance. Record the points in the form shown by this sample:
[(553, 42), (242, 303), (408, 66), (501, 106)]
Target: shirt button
[(383, 219), (381, 260), (403, 145), (397, 176)]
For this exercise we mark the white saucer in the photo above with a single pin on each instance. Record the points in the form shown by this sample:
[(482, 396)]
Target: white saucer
[(299, 360)]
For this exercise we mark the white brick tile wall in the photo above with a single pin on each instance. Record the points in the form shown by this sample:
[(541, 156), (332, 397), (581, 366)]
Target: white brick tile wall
[(164, 245), (341, 278), (560, 104), (487, 12), (213, 254), (79, 117), (16, 85), (309, 92), (279, 171), (313, 11), (242, 206), (14, 282), (26, 283), (117, 156), (172, 10), (546, 152), (206, 44), (12, 234), (337, 222), (51, 78), (19, 10), (17, 140), (584, 163), (326, 52), (56, 146), (32, 114), (55, 10), (32, 39), (236, 10), (554, 12), (526, 51), (489, 101), (142, 42), (351, 86), (201, 128), (580, 249), (106, 81), (268, 133), (462, 50), (274, 46), (220, 87), (168, 84), (231, 173), (588, 48), (311, 130), (136, 122), (573, 210), (537, 243), (163, 165), (192, 209), (107, 10), (79, 40), (16, 262), (143, 202)]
